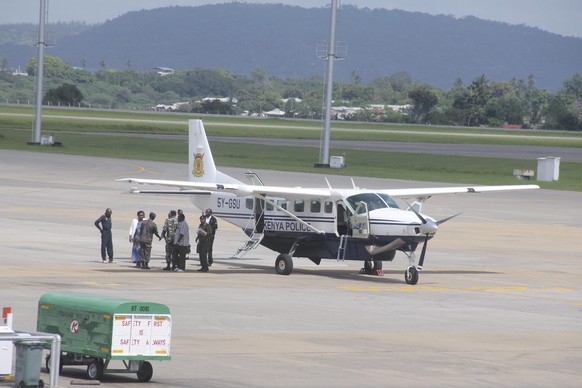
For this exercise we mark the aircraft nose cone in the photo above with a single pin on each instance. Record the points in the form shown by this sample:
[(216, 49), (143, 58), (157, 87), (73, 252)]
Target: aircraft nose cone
[(428, 227)]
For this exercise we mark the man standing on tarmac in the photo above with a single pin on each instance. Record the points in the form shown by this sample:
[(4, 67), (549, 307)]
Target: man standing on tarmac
[(103, 223), (168, 232), (203, 234), (213, 222), (146, 235), (181, 243)]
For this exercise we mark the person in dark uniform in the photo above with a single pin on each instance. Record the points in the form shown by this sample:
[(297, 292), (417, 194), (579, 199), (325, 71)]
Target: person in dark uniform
[(203, 235), (181, 244), (103, 223), (213, 222)]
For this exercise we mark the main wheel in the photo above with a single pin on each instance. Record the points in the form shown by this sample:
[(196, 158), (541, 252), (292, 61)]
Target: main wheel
[(145, 372), (284, 264), (95, 370), (411, 276), (368, 267)]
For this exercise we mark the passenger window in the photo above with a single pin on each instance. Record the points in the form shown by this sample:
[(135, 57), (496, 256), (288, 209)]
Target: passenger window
[(270, 206), (299, 206), (315, 206), (249, 203), (328, 207)]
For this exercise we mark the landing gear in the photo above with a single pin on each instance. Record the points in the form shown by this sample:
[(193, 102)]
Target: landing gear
[(284, 264), (411, 273), (411, 276), (372, 267)]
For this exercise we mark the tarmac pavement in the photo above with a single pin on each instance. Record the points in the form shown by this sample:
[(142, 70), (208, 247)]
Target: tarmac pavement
[(499, 302)]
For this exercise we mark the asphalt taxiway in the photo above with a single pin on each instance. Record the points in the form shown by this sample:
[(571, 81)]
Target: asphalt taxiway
[(499, 302)]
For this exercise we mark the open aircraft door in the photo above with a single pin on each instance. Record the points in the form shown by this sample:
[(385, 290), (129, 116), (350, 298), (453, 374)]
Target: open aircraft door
[(259, 215), (361, 221)]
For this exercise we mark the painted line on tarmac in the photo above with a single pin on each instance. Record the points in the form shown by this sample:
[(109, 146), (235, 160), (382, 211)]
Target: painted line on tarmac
[(426, 288)]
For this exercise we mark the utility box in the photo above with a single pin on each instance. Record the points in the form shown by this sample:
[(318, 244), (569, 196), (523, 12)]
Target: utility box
[(6, 347), (95, 330), (28, 364), (548, 169), (337, 161), (47, 140)]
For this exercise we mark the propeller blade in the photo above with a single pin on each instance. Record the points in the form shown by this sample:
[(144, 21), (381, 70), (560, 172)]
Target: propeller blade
[(421, 261), (421, 218), (446, 219)]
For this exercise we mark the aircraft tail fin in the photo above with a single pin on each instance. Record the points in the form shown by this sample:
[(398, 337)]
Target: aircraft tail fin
[(200, 161)]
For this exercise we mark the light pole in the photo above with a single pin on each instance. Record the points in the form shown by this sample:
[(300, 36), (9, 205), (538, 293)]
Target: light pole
[(40, 71), (331, 56)]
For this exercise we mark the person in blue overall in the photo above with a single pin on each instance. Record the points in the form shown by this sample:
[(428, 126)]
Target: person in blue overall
[(103, 223)]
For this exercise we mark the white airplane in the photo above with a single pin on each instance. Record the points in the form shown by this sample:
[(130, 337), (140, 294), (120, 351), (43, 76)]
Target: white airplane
[(316, 223)]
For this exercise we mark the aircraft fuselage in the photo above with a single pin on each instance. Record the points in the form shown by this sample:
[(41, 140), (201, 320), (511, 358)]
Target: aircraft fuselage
[(314, 227)]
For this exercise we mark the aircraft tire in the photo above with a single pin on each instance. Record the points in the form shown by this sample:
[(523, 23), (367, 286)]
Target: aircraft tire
[(368, 267), (284, 264), (377, 265), (411, 276)]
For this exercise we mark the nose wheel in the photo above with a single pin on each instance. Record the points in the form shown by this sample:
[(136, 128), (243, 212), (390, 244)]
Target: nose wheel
[(411, 276), (412, 272)]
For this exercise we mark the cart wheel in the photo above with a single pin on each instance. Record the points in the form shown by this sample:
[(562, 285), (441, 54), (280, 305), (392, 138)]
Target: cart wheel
[(95, 370), (145, 372), (40, 384), (48, 364)]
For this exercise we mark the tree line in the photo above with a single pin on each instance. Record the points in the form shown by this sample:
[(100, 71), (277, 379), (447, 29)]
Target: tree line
[(483, 102)]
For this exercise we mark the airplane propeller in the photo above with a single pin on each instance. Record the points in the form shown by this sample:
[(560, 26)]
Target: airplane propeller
[(427, 227)]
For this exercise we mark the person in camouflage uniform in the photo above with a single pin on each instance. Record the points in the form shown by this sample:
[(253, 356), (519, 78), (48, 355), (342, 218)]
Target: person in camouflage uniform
[(146, 234), (168, 233)]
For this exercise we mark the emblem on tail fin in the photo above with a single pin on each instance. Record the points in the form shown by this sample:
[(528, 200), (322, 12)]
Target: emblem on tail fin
[(198, 168)]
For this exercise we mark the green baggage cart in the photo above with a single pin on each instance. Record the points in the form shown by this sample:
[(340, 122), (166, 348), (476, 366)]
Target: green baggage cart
[(96, 330)]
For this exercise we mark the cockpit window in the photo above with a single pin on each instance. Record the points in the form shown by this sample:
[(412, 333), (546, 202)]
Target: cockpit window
[(373, 200), (391, 202)]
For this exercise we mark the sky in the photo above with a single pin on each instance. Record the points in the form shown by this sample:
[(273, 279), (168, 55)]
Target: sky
[(556, 16)]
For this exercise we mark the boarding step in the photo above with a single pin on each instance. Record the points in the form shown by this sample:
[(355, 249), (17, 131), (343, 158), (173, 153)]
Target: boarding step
[(251, 243), (341, 252)]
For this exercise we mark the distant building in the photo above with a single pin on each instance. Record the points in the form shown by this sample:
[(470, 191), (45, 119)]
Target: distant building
[(295, 99), (168, 108), (164, 70), (400, 108), (19, 72), (512, 126), (225, 100), (274, 113)]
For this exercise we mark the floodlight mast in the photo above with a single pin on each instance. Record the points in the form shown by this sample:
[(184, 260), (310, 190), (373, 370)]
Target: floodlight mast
[(41, 43), (331, 56)]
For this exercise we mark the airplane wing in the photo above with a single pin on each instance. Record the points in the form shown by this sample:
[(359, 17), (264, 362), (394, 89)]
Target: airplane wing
[(239, 189), (427, 192)]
